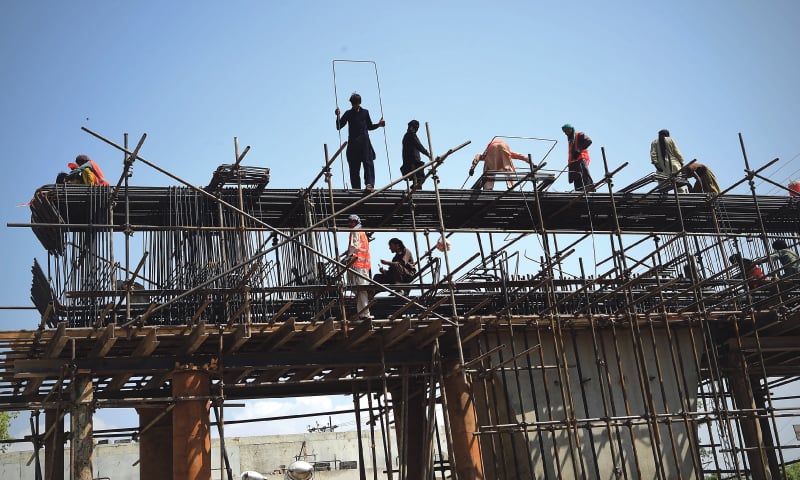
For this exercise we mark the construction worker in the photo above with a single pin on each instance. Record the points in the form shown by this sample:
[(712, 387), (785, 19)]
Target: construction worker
[(578, 158), (412, 148), (665, 156), (787, 258), (358, 262), (86, 168), (705, 180), (749, 271), (401, 268), (496, 158), (359, 149)]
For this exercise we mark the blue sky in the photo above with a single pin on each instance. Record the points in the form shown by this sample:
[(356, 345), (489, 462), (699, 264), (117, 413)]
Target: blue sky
[(194, 75)]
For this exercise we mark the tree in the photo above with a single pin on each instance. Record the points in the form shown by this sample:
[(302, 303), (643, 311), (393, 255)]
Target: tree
[(5, 425)]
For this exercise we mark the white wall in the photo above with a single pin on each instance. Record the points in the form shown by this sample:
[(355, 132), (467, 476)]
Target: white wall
[(262, 454)]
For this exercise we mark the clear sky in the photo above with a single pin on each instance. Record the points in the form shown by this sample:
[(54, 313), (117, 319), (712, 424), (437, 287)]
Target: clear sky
[(195, 74)]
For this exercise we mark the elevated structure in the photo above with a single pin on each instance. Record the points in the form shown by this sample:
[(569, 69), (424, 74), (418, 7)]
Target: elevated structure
[(655, 360)]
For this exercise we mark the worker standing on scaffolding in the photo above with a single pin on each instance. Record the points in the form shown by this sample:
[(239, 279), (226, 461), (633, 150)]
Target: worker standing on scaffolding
[(666, 157), (412, 148), (496, 158), (578, 158), (359, 148), (358, 263)]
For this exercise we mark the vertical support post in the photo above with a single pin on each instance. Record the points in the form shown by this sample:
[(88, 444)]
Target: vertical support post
[(191, 430), (463, 423), (410, 419), (82, 428), (155, 444), (750, 425), (54, 445)]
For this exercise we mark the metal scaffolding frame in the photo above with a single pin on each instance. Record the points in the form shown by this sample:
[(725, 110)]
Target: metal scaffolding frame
[(663, 361)]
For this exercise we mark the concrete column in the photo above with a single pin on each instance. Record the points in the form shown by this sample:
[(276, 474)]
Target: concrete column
[(54, 446), (466, 452), (191, 432), (82, 446), (413, 429), (155, 444)]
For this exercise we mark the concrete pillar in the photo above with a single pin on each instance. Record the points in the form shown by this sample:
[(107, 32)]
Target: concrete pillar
[(82, 446), (54, 446), (155, 444), (461, 409), (191, 430), (413, 429)]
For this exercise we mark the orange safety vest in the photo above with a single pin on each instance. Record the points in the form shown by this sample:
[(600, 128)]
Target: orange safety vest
[(92, 176), (584, 153), (361, 254)]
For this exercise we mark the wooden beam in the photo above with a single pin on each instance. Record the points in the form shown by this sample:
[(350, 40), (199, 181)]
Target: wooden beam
[(196, 338), (239, 312), (400, 331), (240, 337), (361, 333), (104, 342), (281, 336), (425, 336), (281, 312), (99, 322), (145, 348), (200, 310), (57, 343), (321, 334)]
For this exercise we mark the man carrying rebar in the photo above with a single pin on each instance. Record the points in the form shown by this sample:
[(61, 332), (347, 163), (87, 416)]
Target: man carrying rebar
[(578, 158), (496, 158), (359, 148), (358, 262)]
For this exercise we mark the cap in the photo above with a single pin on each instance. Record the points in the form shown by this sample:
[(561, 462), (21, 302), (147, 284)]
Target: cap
[(353, 218), (567, 126), (82, 158)]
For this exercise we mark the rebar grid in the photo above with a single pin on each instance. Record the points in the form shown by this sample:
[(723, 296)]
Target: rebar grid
[(683, 356)]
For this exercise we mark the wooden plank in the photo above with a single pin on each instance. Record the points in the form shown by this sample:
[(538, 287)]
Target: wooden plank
[(240, 337), (196, 338), (56, 344), (425, 336), (400, 331), (321, 334), (104, 342), (145, 348), (281, 336), (360, 333)]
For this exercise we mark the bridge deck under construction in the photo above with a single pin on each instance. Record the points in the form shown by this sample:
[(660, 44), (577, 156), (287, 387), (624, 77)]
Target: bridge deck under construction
[(572, 321)]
